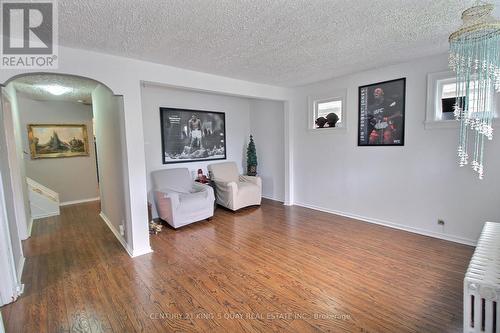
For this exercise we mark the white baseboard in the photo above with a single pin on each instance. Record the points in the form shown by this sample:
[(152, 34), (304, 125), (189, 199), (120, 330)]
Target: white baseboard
[(132, 253), (30, 226), (42, 216), (20, 285), (115, 232), (452, 238), (271, 198), (140, 252), (2, 327), (74, 202), (20, 268)]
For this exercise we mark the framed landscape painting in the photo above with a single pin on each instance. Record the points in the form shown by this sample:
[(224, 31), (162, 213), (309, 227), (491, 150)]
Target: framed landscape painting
[(58, 140), (192, 135), (382, 114)]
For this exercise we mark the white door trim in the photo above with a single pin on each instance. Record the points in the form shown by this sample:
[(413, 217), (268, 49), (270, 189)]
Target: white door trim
[(18, 183), (9, 283)]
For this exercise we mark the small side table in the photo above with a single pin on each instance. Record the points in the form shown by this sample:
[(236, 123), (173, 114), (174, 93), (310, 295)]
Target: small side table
[(211, 183)]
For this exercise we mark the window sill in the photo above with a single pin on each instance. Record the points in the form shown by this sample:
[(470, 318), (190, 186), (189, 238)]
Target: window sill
[(325, 130), (450, 124)]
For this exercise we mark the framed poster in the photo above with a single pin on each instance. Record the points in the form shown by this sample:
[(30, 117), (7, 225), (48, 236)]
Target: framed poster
[(192, 135), (382, 113), (57, 140)]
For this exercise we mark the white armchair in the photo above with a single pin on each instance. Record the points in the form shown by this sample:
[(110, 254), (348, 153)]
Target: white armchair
[(179, 199), (233, 190)]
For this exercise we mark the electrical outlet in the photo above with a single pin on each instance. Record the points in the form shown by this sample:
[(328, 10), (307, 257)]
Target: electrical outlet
[(440, 221)]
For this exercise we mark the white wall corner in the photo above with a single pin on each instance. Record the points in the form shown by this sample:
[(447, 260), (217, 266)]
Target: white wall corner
[(131, 252), (289, 148)]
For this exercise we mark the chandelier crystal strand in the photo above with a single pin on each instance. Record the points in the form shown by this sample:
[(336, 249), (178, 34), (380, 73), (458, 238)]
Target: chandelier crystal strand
[(475, 58)]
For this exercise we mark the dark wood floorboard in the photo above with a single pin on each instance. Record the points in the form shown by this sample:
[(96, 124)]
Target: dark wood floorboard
[(263, 269)]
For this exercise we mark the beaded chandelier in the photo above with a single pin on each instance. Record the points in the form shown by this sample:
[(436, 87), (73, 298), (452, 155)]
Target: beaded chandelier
[(475, 58)]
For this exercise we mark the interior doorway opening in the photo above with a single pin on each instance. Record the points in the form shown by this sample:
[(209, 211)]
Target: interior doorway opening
[(53, 123), (65, 143)]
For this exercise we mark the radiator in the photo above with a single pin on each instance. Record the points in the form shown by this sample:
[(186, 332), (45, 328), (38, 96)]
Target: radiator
[(482, 284)]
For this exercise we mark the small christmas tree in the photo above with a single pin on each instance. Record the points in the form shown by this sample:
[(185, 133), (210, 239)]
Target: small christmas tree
[(251, 158)]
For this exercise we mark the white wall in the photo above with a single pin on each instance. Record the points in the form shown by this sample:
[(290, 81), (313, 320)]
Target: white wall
[(124, 77), (13, 130), (237, 112), (262, 118), (73, 178), (267, 126), (410, 186), (110, 142), (13, 261)]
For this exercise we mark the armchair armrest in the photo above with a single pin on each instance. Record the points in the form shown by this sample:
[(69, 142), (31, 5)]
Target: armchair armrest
[(170, 195), (199, 187), (251, 179), (226, 186), (226, 192)]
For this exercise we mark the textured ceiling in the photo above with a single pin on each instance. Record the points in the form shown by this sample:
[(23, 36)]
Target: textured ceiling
[(33, 87), (287, 42)]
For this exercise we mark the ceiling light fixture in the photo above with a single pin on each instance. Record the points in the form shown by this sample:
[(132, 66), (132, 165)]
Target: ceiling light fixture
[(56, 89), (475, 58)]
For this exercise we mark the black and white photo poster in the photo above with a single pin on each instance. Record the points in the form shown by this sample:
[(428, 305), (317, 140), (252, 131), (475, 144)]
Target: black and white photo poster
[(382, 113), (192, 135)]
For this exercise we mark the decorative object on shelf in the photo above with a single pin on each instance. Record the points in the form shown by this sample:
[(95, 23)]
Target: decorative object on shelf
[(321, 122), (382, 113), (192, 135), (332, 119), (201, 177), (57, 140), (329, 121), (251, 158), (475, 58)]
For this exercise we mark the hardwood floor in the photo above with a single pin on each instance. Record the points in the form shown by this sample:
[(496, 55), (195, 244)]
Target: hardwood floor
[(272, 268)]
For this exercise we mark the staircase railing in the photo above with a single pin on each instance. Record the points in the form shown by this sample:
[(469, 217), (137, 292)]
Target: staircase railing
[(44, 202), (40, 189)]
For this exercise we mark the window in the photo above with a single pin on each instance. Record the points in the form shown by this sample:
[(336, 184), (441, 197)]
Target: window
[(441, 100), (327, 112)]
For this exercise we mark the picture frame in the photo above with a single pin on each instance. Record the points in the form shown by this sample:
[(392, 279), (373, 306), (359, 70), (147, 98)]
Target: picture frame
[(57, 140), (381, 113), (189, 135)]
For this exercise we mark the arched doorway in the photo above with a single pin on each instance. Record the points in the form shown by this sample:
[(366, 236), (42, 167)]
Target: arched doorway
[(36, 100)]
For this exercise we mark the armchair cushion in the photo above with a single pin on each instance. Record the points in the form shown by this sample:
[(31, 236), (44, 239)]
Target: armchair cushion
[(226, 171), (178, 179)]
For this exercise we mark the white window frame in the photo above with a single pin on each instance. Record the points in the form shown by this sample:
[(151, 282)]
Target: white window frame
[(435, 82), (314, 100)]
